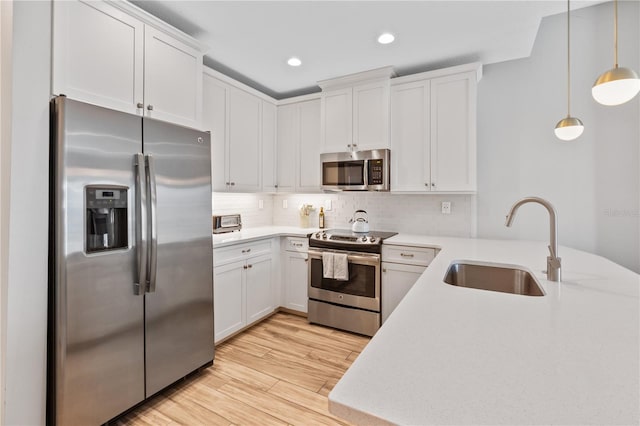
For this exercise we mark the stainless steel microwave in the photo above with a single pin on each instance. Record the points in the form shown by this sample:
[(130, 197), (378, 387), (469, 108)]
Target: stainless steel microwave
[(356, 171)]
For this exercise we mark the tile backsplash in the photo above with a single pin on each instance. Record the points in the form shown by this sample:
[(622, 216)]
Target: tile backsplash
[(412, 213)]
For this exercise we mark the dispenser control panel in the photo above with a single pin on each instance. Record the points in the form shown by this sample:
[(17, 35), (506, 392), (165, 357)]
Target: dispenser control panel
[(106, 218)]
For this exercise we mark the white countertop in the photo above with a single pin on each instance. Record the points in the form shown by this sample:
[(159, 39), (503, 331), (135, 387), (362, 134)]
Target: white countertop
[(452, 355), (250, 234)]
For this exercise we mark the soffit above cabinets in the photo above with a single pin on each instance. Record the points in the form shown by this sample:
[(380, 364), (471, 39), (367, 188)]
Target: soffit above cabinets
[(252, 40)]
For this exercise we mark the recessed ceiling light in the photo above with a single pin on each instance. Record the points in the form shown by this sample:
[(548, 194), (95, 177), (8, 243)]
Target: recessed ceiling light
[(294, 62), (386, 38)]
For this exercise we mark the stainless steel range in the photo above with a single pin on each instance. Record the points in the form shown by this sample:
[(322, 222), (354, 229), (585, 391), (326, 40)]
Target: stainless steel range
[(344, 279)]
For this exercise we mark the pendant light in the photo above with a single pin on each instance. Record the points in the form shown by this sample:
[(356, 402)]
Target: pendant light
[(569, 128), (618, 85)]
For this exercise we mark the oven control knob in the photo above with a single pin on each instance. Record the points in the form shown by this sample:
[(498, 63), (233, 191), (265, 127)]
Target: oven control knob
[(364, 239), (324, 235), (372, 239), (317, 235)]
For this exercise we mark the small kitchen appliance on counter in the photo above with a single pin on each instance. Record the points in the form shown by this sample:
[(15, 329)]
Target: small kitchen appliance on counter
[(226, 223), (350, 302)]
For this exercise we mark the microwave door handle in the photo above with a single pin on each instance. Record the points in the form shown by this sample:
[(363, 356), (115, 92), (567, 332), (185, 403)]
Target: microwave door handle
[(141, 225), (153, 223), (366, 174)]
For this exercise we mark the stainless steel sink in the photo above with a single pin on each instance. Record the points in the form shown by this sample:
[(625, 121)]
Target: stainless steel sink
[(492, 277)]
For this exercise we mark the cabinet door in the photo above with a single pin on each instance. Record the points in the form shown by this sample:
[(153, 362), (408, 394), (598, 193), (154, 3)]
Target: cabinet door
[(371, 116), (410, 134), (259, 284), (288, 134), (244, 141), (98, 55), (296, 281), (337, 119), (228, 299), (308, 176), (397, 280), (214, 119), (453, 122), (172, 79), (269, 153)]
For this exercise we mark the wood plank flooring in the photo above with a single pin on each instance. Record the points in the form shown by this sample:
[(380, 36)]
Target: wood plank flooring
[(279, 372)]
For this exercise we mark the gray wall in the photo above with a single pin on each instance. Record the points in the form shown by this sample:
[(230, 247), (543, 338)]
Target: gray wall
[(27, 290), (593, 181)]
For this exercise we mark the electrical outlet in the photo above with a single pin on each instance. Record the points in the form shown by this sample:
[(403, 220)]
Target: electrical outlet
[(285, 205), (446, 207), (260, 204), (327, 205)]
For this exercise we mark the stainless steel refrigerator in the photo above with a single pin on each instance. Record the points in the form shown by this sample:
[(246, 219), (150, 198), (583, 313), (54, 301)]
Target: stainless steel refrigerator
[(131, 269)]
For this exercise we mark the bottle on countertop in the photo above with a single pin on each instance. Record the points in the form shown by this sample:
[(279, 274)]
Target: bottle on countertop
[(321, 218)]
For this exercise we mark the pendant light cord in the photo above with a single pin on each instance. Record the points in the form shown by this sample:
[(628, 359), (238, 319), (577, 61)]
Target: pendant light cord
[(615, 32), (568, 60)]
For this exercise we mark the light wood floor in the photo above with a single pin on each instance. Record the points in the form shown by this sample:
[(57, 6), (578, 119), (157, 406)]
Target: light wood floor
[(278, 372)]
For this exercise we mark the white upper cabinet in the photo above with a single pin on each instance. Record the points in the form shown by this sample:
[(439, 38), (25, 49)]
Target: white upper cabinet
[(243, 135), (433, 134), (410, 137), (355, 111), (453, 133), (243, 141), (299, 147), (337, 120), (308, 177), (102, 70), (110, 55), (269, 147), (172, 79), (371, 116)]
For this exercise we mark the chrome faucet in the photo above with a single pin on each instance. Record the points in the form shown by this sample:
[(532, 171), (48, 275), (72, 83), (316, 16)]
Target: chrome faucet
[(554, 272)]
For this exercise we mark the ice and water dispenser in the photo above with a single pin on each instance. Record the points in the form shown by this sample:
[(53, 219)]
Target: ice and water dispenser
[(106, 217)]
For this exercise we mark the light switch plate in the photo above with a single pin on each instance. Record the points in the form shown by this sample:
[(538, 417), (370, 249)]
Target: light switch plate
[(260, 204), (327, 205), (285, 205)]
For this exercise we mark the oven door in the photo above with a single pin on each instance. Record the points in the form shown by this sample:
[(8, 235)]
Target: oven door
[(362, 290)]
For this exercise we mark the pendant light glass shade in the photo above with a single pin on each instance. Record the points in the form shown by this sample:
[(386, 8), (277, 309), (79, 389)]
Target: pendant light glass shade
[(618, 85), (569, 128)]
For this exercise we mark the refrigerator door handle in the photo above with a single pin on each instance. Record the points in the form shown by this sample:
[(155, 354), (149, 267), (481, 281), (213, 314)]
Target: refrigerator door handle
[(141, 225), (153, 223)]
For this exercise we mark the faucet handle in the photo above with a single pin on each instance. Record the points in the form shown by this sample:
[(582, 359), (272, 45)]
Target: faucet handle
[(553, 254)]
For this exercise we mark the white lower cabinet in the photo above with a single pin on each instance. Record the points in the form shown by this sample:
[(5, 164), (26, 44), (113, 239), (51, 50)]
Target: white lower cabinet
[(397, 280), (228, 299), (295, 281), (243, 280), (401, 268), (295, 275)]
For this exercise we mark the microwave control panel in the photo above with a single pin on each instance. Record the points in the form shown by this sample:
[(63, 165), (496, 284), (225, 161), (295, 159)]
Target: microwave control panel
[(376, 172)]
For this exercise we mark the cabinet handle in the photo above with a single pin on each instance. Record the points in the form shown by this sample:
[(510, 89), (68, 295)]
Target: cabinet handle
[(426, 184), (248, 250), (245, 266), (140, 105), (384, 269), (250, 266), (276, 185), (150, 107), (306, 260), (406, 255), (233, 183), (349, 146), (433, 184)]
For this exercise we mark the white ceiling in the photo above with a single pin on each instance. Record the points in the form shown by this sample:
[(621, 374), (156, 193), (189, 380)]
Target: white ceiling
[(252, 40)]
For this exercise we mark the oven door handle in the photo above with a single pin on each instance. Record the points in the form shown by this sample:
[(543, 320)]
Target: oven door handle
[(351, 256)]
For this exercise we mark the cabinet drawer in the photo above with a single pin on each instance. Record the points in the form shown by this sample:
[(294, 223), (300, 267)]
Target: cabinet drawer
[(298, 244), (408, 255), (240, 251)]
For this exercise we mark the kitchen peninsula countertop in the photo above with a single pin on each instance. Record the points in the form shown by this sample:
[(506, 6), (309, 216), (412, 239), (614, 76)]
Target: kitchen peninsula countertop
[(453, 355), (251, 234)]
